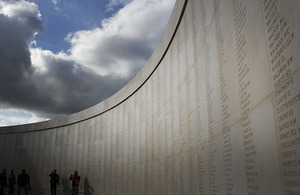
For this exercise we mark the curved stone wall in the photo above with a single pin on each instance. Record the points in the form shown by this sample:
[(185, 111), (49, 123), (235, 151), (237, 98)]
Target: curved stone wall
[(214, 111)]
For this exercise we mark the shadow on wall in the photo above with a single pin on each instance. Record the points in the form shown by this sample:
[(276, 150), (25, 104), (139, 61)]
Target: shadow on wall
[(66, 186), (88, 189)]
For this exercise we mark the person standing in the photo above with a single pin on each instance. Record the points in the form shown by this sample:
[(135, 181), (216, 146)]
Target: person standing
[(11, 183), (23, 182), (75, 178), (54, 181), (3, 181)]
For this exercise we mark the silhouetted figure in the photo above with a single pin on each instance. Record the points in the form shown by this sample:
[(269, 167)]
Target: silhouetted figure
[(3, 181), (23, 182), (54, 181), (88, 190), (75, 178), (11, 183)]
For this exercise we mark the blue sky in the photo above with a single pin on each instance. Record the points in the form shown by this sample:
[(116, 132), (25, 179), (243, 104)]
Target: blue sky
[(67, 16), (58, 57)]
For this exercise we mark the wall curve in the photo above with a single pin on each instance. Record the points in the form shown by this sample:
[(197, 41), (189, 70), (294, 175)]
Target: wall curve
[(215, 110)]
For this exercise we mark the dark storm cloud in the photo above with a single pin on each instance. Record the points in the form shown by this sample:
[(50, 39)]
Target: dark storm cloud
[(62, 89), (15, 62), (99, 62), (66, 88)]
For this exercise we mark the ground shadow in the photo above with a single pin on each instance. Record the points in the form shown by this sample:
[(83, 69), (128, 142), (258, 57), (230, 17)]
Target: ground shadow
[(88, 189)]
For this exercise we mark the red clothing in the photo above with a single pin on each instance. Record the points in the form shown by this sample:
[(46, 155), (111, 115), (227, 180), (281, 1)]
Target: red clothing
[(75, 179)]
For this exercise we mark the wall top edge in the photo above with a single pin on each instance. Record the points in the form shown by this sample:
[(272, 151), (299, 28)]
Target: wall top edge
[(123, 94)]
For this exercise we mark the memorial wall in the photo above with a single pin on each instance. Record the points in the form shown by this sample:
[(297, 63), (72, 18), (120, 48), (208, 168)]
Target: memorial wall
[(215, 110)]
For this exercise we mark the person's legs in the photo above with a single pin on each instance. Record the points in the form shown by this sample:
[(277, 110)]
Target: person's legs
[(53, 190), (25, 189), (1, 190), (10, 190), (76, 190), (19, 190)]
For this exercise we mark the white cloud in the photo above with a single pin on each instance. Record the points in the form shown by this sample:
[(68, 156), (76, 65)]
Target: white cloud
[(55, 2), (99, 62), (113, 3), (125, 41), (40, 59), (19, 9), (16, 117), (118, 2)]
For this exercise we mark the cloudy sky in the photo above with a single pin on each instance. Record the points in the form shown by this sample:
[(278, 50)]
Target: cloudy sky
[(58, 57)]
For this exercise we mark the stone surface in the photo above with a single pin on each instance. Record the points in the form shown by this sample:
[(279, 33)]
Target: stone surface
[(214, 111)]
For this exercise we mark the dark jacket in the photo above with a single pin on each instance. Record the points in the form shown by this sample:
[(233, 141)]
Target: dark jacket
[(3, 179), (23, 180), (54, 179), (75, 179), (11, 180)]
